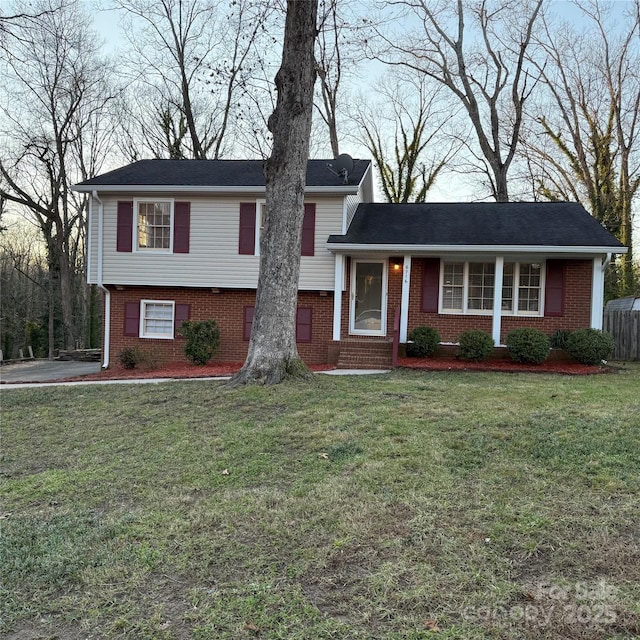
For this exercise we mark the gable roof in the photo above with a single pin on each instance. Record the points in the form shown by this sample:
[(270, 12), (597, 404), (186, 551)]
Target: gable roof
[(474, 226), (214, 175)]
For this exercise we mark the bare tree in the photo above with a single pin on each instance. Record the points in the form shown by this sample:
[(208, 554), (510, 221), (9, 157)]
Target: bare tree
[(23, 282), (14, 25), (190, 60), (402, 129), (55, 88), (273, 355), (586, 145), (485, 69)]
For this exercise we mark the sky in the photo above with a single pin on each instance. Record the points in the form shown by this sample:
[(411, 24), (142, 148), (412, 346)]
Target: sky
[(451, 187)]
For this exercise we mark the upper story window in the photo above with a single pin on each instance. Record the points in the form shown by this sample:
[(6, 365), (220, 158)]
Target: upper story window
[(468, 287), (154, 224)]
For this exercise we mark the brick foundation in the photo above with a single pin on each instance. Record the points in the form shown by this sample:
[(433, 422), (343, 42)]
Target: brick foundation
[(227, 309)]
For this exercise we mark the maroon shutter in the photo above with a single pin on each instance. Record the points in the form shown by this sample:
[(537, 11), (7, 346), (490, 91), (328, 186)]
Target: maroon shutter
[(131, 318), (247, 242), (181, 226), (182, 313), (247, 322), (303, 324), (554, 288), (309, 230), (125, 227), (430, 285)]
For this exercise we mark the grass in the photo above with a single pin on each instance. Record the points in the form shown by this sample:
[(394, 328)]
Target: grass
[(406, 506)]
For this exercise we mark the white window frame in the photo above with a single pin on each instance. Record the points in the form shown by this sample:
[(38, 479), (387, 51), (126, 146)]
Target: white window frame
[(143, 318), (516, 290), (489, 312), (136, 209)]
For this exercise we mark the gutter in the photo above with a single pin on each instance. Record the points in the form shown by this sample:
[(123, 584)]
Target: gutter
[(210, 189), (106, 316), (417, 250)]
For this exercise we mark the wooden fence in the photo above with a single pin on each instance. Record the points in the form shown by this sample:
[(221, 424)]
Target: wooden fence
[(624, 326)]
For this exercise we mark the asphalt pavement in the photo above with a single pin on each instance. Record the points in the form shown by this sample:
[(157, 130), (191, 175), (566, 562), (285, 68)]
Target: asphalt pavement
[(45, 370)]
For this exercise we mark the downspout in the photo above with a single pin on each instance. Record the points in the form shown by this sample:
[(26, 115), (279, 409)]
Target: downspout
[(106, 316)]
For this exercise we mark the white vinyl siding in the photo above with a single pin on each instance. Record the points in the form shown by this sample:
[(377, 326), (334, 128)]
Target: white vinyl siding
[(213, 259), (92, 254)]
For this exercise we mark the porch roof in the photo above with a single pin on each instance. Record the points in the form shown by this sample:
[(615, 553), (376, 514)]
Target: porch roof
[(560, 227)]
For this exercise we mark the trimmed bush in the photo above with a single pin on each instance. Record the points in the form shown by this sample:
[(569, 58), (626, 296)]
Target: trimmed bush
[(130, 357), (475, 345), (422, 342), (203, 339), (590, 346), (528, 345)]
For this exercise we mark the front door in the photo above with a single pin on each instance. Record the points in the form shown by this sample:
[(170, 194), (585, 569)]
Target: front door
[(368, 313)]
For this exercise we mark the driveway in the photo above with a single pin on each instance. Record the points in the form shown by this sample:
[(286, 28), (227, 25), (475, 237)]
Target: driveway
[(46, 370)]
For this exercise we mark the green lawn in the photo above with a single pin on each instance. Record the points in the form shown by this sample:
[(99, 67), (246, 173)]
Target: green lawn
[(401, 506)]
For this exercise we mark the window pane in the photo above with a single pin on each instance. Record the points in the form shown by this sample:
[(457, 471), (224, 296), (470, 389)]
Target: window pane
[(507, 287), (481, 281), (154, 225), (529, 288), (453, 285), (157, 319)]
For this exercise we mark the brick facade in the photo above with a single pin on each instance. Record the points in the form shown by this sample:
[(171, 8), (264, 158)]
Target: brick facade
[(577, 307), (227, 308)]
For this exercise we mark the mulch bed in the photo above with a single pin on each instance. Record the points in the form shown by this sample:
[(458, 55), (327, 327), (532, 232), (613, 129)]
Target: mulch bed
[(178, 370), (219, 369), (565, 367)]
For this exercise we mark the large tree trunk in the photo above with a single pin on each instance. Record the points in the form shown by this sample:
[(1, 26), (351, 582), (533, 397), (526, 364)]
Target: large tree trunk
[(273, 355)]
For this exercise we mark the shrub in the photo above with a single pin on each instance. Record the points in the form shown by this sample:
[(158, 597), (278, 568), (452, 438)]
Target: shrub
[(559, 339), (36, 338), (475, 345), (203, 339), (528, 345), (422, 342), (130, 357), (590, 346)]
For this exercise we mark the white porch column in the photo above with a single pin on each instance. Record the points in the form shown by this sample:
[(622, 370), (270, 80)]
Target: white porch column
[(497, 300), (404, 301), (337, 295), (597, 292)]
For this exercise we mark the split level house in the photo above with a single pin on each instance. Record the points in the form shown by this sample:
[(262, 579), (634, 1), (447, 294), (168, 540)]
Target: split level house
[(171, 240)]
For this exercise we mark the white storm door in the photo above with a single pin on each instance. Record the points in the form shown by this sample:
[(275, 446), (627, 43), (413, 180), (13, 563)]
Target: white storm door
[(368, 309)]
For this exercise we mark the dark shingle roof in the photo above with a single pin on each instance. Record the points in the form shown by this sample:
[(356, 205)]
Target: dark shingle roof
[(489, 223), (215, 173)]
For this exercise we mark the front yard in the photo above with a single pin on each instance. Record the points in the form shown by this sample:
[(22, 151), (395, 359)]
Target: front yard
[(401, 506)]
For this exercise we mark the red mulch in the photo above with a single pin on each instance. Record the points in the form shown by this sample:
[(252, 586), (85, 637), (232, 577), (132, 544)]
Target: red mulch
[(504, 365), (217, 369), (178, 370)]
